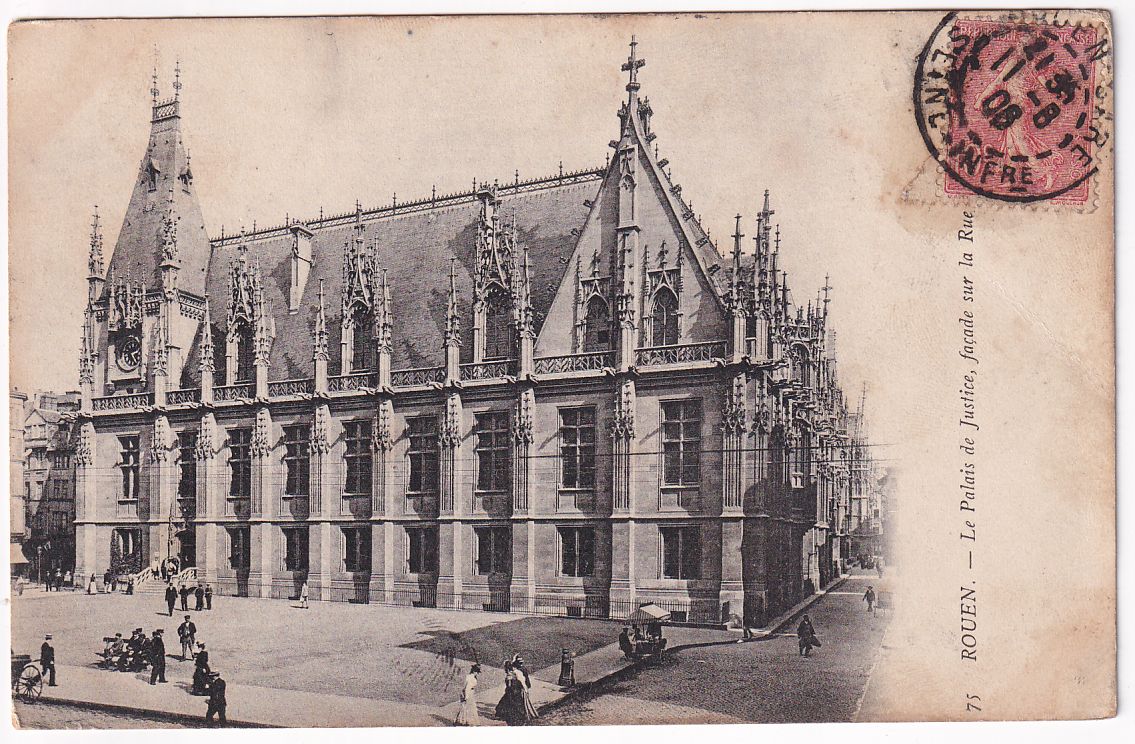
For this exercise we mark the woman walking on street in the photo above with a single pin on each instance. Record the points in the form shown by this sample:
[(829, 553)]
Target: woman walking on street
[(807, 635), (468, 715)]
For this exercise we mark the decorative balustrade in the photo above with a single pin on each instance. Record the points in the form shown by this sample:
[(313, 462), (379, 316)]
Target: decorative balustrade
[(123, 402), (241, 391), (575, 362), (485, 370), (418, 376), (290, 387), (703, 352), (174, 397), (348, 383)]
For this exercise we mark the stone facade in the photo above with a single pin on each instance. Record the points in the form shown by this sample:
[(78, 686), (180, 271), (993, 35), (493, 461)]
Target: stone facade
[(550, 396)]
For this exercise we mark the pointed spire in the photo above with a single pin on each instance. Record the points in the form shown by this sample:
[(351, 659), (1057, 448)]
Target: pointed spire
[(320, 333), (87, 353), (95, 265), (382, 316), (206, 364), (177, 80), (827, 288), (524, 304), (453, 312), (154, 80), (632, 66)]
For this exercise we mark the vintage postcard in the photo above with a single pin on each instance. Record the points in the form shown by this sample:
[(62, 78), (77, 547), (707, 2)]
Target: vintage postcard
[(559, 370)]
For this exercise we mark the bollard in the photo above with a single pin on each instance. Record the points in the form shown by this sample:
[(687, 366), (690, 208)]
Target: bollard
[(567, 668)]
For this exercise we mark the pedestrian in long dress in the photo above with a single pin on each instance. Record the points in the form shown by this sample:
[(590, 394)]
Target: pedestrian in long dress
[(807, 635), (524, 684), (303, 595), (67, 580), (91, 585), (468, 715)]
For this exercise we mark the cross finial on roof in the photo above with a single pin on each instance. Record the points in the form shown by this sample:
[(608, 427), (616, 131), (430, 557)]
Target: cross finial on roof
[(177, 80), (632, 66), (154, 79)]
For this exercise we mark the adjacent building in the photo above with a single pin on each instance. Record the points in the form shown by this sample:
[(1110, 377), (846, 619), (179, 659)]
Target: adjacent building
[(48, 487), (547, 396), (17, 530)]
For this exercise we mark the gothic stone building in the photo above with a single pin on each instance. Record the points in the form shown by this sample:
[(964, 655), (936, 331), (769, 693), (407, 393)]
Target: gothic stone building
[(548, 396)]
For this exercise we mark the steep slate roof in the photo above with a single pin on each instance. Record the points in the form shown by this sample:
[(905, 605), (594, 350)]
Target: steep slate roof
[(137, 253), (415, 245)]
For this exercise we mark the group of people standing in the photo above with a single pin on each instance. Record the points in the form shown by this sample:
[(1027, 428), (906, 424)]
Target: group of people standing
[(515, 706), (202, 595), (56, 580)]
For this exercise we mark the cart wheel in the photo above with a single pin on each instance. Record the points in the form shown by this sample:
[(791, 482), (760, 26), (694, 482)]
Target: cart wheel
[(29, 684)]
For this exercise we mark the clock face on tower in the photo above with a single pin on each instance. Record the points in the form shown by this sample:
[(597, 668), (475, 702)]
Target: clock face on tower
[(129, 353)]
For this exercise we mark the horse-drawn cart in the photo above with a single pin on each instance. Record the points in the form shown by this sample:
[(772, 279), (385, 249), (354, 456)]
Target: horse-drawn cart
[(27, 679)]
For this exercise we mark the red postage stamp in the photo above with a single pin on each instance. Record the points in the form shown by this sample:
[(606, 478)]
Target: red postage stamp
[(1011, 108)]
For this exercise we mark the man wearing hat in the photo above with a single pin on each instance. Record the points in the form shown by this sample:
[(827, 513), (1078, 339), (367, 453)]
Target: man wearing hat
[(157, 658), (171, 597), (187, 632), (47, 659), (217, 702)]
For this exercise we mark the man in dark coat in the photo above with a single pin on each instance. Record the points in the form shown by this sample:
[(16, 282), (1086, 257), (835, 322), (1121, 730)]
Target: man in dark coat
[(171, 597), (157, 658), (187, 632), (199, 596), (185, 591), (217, 702), (208, 596), (47, 660)]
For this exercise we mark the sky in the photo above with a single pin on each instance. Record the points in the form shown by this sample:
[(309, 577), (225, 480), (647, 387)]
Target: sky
[(291, 116)]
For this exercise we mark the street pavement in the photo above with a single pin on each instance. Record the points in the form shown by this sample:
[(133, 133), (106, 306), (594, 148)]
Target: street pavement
[(766, 681), (335, 664), (358, 665)]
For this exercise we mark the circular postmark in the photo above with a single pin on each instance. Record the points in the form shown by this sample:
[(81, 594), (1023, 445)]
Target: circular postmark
[(1010, 107)]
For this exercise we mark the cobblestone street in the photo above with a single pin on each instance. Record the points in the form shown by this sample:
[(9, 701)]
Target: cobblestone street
[(759, 681)]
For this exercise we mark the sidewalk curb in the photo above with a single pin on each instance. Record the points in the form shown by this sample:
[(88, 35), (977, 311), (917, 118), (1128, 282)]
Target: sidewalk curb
[(624, 671), (803, 607), (163, 715), (576, 690)]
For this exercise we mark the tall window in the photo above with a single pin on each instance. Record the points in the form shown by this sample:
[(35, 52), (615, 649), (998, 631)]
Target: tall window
[(240, 550), (129, 462), (240, 463), (187, 465), (245, 354), (297, 459), (362, 342), (664, 319), (597, 326), (577, 447), (423, 454), (358, 457), (421, 549), (493, 554), (356, 549), (577, 551), (681, 442), (295, 548), (492, 448), (498, 314), (681, 552)]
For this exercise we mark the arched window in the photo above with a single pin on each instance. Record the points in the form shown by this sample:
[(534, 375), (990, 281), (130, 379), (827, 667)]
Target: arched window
[(498, 314), (245, 354), (664, 319), (597, 326), (362, 343)]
